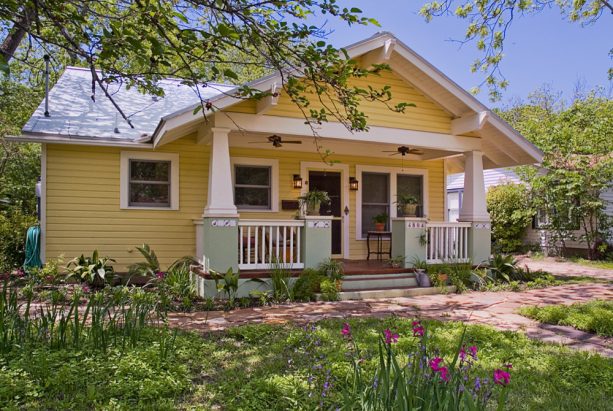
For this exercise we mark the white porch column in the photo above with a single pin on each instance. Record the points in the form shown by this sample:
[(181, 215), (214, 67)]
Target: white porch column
[(474, 209), (220, 197), (220, 218)]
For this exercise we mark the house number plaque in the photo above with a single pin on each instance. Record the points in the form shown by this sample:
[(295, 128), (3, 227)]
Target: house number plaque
[(223, 223), (318, 224)]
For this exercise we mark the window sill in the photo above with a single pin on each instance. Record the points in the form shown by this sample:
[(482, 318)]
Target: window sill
[(151, 208)]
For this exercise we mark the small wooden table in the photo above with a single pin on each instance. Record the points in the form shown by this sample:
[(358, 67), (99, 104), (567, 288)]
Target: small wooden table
[(380, 236)]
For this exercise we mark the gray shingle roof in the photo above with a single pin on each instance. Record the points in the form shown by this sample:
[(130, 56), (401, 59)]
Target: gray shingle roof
[(73, 113)]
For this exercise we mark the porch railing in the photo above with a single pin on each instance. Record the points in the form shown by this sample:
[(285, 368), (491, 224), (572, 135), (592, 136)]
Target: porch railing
[(447, 242), (262, 243)]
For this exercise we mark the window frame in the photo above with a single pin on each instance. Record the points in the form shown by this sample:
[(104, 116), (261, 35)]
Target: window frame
[(126, 158), (274, 181), (393, 173)]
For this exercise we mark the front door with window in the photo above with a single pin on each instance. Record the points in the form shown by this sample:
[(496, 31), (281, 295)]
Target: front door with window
[(331, 183)]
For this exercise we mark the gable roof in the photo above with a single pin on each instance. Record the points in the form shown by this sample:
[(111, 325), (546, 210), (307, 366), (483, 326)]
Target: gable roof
[(75, 116)]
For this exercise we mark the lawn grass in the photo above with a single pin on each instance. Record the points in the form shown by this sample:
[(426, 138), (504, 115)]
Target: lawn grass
[(594, 316), (267, 367), (606, 265)]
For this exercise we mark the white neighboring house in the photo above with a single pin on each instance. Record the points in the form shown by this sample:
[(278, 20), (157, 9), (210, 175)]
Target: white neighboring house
[(497, 176)]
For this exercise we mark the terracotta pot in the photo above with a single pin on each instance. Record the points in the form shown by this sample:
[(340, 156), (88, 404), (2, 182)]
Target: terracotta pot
[(379, 226), (339, 285), (442, 277)]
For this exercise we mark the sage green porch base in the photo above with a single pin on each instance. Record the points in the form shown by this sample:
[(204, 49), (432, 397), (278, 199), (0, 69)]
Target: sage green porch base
[(408, 239), (480, 242), (316, 240), (208, 289), (220, 237)]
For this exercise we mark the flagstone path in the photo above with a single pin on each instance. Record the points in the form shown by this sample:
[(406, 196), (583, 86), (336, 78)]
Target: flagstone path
[(497, 309), (565, 268)]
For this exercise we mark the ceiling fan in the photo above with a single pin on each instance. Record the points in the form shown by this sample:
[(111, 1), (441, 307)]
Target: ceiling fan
[(277, 141), (404, 150)]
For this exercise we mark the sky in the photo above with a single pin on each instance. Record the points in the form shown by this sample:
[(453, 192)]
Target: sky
[(540, 49)]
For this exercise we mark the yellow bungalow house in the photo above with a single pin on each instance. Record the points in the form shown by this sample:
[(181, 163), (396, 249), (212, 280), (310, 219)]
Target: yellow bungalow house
[(225, 187)]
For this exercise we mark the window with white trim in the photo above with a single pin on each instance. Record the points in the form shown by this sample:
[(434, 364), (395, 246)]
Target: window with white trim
[(375, 199), (149, 184), (252, 187), (411, 185), (149, 180)]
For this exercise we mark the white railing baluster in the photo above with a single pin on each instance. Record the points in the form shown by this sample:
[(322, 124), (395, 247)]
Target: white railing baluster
[(283, 244), (447, 242)]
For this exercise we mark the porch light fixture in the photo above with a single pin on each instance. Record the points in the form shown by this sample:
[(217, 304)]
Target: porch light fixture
[(297, 181), (353, 184)]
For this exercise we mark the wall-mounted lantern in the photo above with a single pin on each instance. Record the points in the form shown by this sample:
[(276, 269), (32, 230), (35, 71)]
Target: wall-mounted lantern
[(353, 184), (297, 181)]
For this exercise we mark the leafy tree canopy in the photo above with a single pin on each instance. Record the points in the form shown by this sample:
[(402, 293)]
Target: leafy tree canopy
[(488, 22), (139, 42), (577, 141)]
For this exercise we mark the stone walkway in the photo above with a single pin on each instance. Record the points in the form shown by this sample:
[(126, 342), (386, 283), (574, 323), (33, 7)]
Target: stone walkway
[(497, 309), (565, 268)]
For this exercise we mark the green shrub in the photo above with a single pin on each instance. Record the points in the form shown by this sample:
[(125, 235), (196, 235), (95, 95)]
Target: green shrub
[(329, 291), (13, 229), (510, 211), (307, 285)]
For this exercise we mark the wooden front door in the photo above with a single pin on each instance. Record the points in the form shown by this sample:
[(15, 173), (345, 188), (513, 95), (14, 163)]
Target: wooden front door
[(331, 183)]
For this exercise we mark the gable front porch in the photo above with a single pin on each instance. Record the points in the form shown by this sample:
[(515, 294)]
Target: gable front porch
[(363, 178)]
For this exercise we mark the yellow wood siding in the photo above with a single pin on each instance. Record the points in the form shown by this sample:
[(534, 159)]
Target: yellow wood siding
[(83, 211), (426, 116)]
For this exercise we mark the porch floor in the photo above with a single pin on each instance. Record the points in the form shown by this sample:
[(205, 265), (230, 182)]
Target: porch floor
[(351, 267)]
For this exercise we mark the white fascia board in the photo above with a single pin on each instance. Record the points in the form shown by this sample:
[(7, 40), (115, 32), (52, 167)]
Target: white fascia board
[(334, 130), (81, 141)]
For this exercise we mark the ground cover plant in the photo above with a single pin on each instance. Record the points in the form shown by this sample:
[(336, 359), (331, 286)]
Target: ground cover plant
[(594, 316)]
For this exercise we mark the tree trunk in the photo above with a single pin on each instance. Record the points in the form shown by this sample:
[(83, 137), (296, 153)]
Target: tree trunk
[(16, 34)]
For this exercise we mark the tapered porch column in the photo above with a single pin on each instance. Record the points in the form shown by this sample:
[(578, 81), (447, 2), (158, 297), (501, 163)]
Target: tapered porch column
[(474, 208), (220, 225)]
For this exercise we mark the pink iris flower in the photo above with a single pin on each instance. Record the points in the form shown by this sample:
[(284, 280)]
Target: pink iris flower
[(346, 331), (444, 372), (502, 377), (418, 329), (473, 351), (435, 363), (390, 337)]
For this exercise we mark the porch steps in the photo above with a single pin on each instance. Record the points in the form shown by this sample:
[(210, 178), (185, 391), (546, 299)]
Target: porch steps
[(390, 293), (378, 281)]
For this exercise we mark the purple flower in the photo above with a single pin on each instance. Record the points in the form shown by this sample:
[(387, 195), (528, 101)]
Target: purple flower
[(477, 384), (20, 273), (462, 353), (85, 288), (160, 275), (346, 331), (502, 377), (473, 351), (390, 337)]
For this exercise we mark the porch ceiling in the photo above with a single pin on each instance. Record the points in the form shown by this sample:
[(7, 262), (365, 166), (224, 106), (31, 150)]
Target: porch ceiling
[(257, 140)]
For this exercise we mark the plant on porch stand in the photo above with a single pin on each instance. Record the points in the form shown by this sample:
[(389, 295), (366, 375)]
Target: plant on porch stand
[(380, 220), (407, 204), (312, 200)]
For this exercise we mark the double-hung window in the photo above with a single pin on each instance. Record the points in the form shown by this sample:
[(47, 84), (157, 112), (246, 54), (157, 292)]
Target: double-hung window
[(375, 199), (256, 184), (252, 187), (149, 180)]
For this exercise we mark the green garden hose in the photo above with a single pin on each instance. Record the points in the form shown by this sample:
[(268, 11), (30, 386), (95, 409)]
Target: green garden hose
[(33, 248)]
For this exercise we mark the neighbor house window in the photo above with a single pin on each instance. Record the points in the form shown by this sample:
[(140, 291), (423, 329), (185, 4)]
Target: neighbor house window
[(252, 187), (149, 180), (375, 198)]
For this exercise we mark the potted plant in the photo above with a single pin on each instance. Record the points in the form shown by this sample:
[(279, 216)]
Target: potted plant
[(380, 220), (397, 261), (312, 200), (420, 266), (407, 203)]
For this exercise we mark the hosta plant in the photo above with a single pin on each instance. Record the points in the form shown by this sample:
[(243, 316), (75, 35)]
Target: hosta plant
[(94, 270)]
